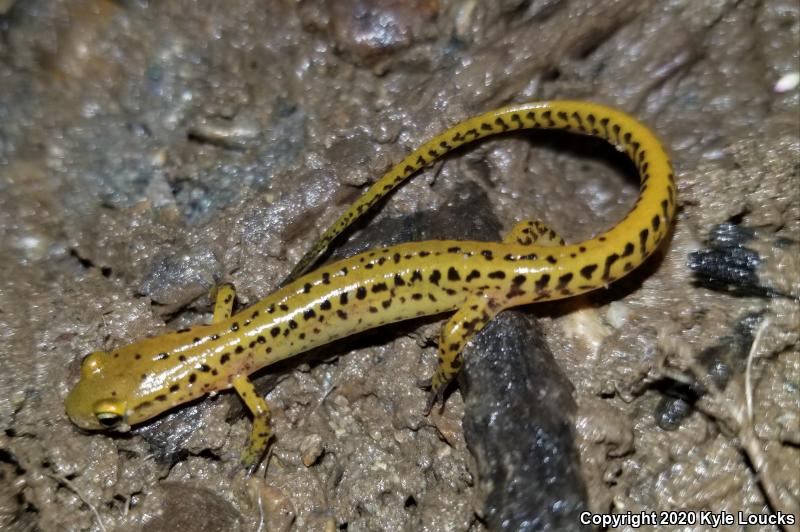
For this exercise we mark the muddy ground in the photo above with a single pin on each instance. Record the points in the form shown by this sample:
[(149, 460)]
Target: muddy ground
[(150, 150)]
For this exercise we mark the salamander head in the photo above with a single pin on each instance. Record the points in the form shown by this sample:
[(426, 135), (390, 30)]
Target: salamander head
[(99, 400), (141, 380)]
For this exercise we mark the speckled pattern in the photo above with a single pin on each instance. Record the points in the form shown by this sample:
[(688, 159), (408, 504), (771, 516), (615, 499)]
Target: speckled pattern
[(477, 279)]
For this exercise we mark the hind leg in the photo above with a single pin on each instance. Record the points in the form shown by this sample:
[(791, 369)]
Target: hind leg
[(529, 232), (459, 329)]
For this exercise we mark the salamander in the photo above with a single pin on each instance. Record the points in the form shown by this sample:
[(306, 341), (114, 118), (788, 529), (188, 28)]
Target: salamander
[(131, 384)]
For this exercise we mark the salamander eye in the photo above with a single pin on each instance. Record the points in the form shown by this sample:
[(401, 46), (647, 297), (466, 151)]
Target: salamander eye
[(109, 412), (108, 419)]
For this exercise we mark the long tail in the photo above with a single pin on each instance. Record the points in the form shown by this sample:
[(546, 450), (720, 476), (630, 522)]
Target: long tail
[(650, 217)]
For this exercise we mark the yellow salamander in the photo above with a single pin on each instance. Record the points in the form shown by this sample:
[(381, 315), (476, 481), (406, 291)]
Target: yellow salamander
[(475, 279)]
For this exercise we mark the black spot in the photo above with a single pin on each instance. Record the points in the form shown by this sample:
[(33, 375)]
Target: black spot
[(342, 314), (416, 297), (435, 277), (611, 259), (373, 310), (499, 274), (474, 274), (205, 368), (587, 271), (361, 292), (192, 378), (423, 253), (283, 307), (239, 349), (235, 327), (454, 249), (308, 314), (542, 282), (628, 250), (292, 324), (416, 276), (161, 356), (379, 287), (656, 222), (398, 280), (325, 305), (563, 281), (225, 358), (643, 234), (387, 303), (261, 340), (343, 298), (275, 331), (452, 274), (306, 288), (551, 259), (161, 397), (487, 254), (515, 290)]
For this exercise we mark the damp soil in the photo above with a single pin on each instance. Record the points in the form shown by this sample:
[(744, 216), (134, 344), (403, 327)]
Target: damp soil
[(151, 150)]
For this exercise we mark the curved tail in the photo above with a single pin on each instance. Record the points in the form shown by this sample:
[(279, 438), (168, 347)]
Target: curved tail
[(648, 220)]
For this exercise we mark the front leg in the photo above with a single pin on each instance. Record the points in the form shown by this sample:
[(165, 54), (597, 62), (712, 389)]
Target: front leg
[(261, 432), (223, 301)]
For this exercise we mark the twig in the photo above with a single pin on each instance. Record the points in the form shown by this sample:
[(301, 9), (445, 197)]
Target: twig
[(748, 383), (740, 423), (74, 489)]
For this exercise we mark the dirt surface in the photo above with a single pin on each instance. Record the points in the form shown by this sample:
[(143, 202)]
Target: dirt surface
[(149, 150)]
